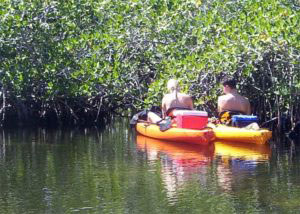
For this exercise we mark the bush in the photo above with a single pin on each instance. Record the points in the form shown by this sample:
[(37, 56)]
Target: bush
[(81, 60)]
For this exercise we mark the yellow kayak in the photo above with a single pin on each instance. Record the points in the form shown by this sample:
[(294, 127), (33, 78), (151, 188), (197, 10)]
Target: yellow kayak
[(247, 135)]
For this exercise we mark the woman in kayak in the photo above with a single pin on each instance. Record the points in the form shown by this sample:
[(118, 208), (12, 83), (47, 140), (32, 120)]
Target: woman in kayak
[(172, 101)]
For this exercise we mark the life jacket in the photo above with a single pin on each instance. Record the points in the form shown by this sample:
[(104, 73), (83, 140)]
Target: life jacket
[(225, 117)]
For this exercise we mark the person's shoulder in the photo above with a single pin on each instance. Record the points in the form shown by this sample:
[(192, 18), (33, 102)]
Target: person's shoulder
[(166, 97), (185, 95), (222, 97), (245, 98)]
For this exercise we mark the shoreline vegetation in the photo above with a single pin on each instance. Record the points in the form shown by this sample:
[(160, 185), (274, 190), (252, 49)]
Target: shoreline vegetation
[(79, 62)]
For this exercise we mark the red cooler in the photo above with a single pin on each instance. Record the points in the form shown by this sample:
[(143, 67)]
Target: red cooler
[(191, 119)]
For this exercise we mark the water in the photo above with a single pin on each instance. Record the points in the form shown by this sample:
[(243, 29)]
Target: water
[(113, 171)]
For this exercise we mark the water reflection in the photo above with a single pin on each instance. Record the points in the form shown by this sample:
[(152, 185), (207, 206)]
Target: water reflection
[(182, 162), (254, 152), (236, 161), (62, 171), (102, 171)]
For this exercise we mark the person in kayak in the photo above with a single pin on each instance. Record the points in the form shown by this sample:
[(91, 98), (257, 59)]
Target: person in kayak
[(232, 103), (172, 101)]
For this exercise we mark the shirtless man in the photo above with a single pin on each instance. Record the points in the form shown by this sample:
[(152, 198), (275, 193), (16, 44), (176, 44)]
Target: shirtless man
[(173, 100), (232, 100)]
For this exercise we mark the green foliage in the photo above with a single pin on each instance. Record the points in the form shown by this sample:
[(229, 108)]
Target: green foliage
[(106, 56)]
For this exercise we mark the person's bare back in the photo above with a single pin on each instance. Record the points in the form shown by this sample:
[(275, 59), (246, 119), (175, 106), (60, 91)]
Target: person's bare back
[(173, 100), (232, 100)]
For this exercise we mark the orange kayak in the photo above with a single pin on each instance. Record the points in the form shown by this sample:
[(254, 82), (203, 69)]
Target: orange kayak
[(203, 136)]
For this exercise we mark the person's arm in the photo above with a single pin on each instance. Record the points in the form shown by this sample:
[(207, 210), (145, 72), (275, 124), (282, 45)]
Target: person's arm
[(220, 104), (190, 104), (163, 107), (248, 107)]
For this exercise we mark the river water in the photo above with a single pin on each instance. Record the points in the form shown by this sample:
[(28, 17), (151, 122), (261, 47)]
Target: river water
[(113, 170)]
